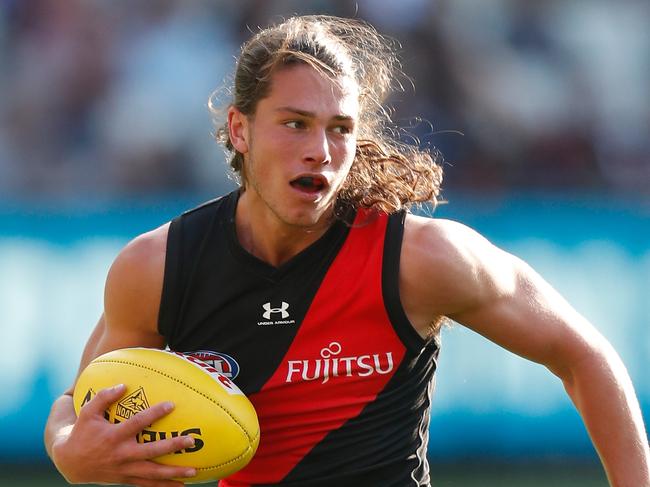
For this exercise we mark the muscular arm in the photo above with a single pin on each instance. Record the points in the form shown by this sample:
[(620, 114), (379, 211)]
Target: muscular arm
[(88, 448), (499, 296)]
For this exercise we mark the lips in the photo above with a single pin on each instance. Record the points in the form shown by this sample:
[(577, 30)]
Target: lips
[(309, 183)]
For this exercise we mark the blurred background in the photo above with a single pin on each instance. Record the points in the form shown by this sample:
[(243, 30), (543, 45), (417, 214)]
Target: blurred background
[(542, 113)]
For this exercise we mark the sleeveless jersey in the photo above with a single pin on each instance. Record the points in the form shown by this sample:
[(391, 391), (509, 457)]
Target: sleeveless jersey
[(321, 345)]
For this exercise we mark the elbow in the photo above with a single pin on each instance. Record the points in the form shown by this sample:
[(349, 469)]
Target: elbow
[(585, 360)]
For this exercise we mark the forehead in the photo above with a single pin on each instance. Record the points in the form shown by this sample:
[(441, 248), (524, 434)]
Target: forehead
[(303, 87)]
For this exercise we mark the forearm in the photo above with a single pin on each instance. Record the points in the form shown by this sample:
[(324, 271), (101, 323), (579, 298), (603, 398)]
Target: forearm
[(62, 417), (602, 391)]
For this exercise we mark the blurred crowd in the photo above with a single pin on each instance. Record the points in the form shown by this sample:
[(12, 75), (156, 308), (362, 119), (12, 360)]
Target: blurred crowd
[(103, 98)]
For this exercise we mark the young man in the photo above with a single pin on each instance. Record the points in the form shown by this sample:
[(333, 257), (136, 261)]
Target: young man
[(327, 294)]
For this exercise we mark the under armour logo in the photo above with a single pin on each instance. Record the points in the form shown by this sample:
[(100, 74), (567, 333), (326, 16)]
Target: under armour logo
[(282, 309)]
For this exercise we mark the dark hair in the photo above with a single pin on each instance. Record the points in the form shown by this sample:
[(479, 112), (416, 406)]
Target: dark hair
[(387, 174)]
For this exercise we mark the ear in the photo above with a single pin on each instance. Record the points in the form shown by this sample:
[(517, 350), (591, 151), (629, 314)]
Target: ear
[(238, 130)]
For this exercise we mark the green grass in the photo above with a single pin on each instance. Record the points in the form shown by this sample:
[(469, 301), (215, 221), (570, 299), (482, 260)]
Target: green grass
[(466, 475), (533, 475)]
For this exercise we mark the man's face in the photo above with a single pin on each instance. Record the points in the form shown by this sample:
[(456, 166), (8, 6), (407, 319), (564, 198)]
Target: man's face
[(300, 145)]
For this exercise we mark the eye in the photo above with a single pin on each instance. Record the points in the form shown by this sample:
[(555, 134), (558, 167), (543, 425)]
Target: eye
[(295, 124), (342, 129)]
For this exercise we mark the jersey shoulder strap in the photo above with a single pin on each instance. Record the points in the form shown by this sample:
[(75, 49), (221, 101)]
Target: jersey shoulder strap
[(186, 241)]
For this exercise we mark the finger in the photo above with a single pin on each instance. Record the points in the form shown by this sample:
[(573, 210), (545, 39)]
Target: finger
[(158, 448), (157, 471), (140, 482), (103, 399), (145, 418)]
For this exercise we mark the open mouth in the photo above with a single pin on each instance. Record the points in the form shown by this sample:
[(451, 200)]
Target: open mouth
[(309, 184)]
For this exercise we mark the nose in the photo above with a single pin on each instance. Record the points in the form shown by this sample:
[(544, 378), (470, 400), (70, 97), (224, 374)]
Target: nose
[(318, 148)]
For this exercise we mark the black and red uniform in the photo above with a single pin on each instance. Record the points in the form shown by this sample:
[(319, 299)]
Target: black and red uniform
[(321, 345)]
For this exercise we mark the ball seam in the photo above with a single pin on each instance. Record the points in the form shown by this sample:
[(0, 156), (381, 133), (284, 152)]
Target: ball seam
[(127, 362), (248, 448)]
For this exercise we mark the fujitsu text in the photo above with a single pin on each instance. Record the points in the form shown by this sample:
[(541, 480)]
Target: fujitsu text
[(331, 365)]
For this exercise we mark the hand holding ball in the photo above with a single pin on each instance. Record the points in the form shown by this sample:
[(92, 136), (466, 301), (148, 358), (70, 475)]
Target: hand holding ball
[(208, 406)]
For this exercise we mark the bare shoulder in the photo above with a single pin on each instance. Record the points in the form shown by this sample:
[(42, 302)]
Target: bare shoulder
[(143, 257), (134, 282), (438, 234), (447, 242), (447, 267)]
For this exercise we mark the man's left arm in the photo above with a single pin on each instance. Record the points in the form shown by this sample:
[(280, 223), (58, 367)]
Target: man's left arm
[(534, 321), (502, 298)]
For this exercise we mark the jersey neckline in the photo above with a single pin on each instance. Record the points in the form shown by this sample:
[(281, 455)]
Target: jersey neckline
[(335, 235)]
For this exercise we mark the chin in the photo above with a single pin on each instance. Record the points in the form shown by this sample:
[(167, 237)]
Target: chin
[(304, 221), (306, 218)]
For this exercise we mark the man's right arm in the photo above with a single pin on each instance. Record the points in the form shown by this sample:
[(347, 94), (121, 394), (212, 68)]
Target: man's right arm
[(88, 449)]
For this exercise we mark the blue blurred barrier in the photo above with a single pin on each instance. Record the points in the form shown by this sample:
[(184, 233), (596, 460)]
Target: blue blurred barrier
[(487, 402)]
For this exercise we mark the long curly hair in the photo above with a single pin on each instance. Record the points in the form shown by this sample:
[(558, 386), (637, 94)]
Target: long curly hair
[(387, 174)]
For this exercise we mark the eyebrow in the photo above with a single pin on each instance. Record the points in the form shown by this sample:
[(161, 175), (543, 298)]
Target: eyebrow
[(308, 114)]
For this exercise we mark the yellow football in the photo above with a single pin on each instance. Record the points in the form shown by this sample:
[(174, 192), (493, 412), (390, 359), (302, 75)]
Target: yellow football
[(208, 406)]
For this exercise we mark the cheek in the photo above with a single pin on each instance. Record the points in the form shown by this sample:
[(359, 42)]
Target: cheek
[(349, 154), (279, 142), (344, 152), (345, 164)]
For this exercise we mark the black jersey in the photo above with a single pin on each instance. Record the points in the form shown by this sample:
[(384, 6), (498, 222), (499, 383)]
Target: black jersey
[(321, 345)]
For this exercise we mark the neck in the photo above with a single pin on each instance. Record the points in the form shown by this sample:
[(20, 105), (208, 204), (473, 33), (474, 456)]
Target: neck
[(267, 237)]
